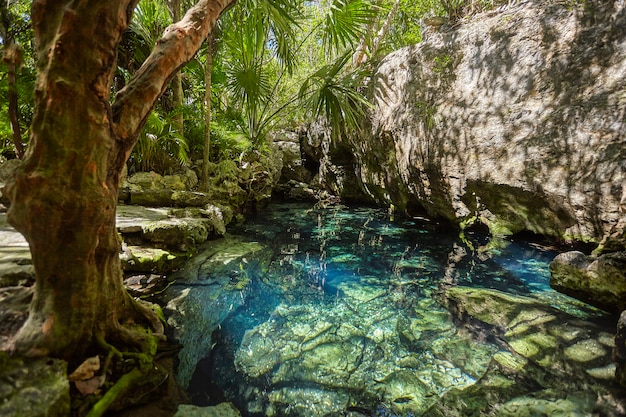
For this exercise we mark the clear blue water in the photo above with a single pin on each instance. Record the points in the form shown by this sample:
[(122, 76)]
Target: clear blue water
[(344, 319)]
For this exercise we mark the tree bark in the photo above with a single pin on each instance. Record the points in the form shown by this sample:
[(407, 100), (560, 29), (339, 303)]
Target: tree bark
[(177, 82), (362, 53), (64, 195), (207, 113), (13, 59)]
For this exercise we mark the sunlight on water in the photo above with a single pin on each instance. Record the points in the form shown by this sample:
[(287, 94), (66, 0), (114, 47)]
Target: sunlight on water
[(355, 315)]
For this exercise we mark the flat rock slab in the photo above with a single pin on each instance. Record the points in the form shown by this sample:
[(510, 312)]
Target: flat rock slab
[(131, 219), (561, 365), (16, 265)]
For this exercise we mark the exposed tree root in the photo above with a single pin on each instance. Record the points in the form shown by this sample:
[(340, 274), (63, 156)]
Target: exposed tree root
[(143, 345), (122, 385), (143, 309)]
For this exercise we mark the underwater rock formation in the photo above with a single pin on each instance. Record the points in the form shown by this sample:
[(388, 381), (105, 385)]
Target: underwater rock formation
[(541, 348), (515, 119), (322, 359), (206, 289)]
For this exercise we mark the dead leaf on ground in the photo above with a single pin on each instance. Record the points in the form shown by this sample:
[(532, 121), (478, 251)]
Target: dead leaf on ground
[(90, 386), (86, 370)]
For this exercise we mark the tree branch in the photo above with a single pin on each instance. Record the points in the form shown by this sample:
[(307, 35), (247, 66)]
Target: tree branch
[(179, 44)]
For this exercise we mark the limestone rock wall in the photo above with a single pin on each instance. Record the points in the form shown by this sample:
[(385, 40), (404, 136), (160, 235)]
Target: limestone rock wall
[(516, 119)]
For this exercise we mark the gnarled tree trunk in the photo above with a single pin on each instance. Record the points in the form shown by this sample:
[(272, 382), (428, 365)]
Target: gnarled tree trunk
[(13, 59), (64, 195), (177, 82), (204, 182)]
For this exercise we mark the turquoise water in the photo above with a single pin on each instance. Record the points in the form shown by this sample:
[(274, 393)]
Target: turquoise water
[(349, 317)]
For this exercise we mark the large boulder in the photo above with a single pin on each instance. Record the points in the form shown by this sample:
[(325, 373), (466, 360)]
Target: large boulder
[(514, 119), (598, 281), (334, 162), (156, 190), (287, 145)]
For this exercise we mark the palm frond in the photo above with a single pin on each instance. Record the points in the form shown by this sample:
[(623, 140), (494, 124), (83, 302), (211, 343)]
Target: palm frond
[(334, 95), (345, 22)]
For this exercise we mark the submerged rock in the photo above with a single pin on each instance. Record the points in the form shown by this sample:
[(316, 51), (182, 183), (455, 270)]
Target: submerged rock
[(205, 290), (599, 281), (351, 352), (220, 410), (542, 349)]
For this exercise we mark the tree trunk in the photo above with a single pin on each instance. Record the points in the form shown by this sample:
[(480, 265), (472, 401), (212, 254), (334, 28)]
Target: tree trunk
[(362, 52), (64, 195), (207, 113), (177, 82), (13, 59)]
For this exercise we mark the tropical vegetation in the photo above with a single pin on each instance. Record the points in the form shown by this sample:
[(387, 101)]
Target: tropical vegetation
[(272, 65)]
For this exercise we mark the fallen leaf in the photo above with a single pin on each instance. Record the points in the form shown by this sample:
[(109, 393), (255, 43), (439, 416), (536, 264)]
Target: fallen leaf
[(86, 369), (90, 386)]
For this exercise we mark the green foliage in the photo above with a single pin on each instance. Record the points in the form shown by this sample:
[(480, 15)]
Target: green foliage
[(426, 112), (453, 8), (150, 19), (277, 63), (15, 30), (25, 87), (443, 64), (256, 50), (262, 83), (159, 148), (334, 96), (345, 22)]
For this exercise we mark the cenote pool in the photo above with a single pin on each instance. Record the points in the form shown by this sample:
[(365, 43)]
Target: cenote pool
[(349, 312)]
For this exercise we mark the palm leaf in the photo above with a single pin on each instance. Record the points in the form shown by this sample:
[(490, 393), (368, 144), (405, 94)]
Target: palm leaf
[(345, 22), (332, 95)]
